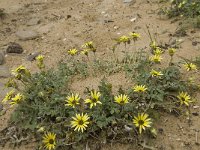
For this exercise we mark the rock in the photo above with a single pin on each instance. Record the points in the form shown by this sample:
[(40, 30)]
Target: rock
[(127, 1), (69, 16), (33, 21), (133, 19), (4, 72), (160, 130), (116, 27), (195, 107), (194, 43), (1, 58), (103, 12), (27, 35), (195, 114), (127, 128), (14, 48), (32, 56)]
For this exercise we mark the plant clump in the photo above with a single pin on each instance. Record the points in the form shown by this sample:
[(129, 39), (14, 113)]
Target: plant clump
[(187, 9), (60, 118)]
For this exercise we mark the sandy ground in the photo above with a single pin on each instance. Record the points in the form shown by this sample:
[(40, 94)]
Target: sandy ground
[(64, 24)]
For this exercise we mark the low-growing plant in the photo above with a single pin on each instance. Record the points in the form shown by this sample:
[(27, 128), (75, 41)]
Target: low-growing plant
[(60, 118), (187, 9)]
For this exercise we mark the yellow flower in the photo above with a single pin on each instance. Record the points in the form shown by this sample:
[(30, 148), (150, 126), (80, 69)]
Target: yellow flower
[(155, 73), (80, 122), (134, 36), (17, 99), (8, 96), (20, 71), (40, 58), (184, 98), (121, 99), (158, 51), (85, 52), (156, 58), (142, 121), (94, 100), (72, 100), (171, 51), (190, 66), (124, 39), (139, 88), (49, 140), (72, 52), (89, 45)]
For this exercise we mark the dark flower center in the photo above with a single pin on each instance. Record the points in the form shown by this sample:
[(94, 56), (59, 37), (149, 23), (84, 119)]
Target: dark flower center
[(74, 102), (140, 122), (122, 101), (51, 141), (182, 98), (94, 100), (80, 122)]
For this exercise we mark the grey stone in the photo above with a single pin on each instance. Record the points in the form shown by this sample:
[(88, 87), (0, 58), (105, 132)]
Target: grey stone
[(33, 21), (4, 72), (32, 56), (2, 59), (27, 35), (127, 1), (14, 48)]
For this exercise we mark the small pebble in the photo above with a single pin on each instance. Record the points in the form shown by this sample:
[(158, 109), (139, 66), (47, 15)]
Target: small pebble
[(133, 19), (195, 107), (116, 27)]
